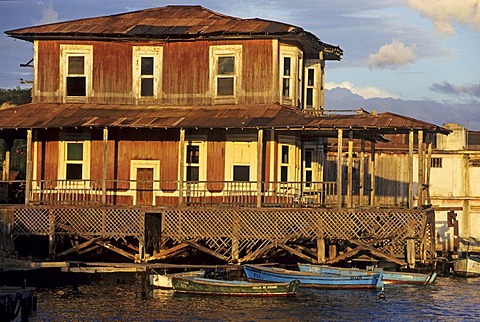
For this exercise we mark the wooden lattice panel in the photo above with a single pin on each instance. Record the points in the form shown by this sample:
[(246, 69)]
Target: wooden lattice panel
[(30, 222), (87, 222), (198, 223), (217, 227)]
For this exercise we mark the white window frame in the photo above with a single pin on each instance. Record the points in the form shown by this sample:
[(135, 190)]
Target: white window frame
[(67, 51), (156, 52), (226, 51), (295, 78), (294, 158), (65, 139), (199, 141), (315, 87)]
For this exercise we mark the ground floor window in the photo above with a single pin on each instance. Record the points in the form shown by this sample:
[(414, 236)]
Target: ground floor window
[(241, 173), (74, 161)]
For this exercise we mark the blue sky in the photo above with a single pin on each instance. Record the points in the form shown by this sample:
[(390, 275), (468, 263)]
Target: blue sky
[(422, 55)]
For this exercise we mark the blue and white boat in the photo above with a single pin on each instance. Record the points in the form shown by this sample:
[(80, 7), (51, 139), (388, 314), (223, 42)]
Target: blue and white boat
[(388, 276), (309, 279)]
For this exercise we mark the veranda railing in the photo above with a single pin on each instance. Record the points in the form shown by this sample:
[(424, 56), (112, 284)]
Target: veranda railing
[(158, 193)]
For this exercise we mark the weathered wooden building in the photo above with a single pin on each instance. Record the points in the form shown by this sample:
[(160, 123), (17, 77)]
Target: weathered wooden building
[(155, 132)]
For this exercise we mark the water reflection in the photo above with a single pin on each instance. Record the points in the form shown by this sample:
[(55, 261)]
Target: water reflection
[(110, 300)]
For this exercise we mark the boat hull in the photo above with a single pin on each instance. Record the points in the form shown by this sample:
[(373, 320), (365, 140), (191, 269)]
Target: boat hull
[(388, 277), (164, 281), (308, 279), (467, 267), (205, 286)]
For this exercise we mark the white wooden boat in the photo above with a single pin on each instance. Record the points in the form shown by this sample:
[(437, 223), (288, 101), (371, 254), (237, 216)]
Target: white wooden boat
[(467, 267), (164, 281), (310, 279), (388, 276)]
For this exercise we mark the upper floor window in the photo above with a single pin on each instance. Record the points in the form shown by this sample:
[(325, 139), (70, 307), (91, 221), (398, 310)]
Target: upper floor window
[(310, 88), (147, 64), (290, 75), (226, 76), (225, 65), (287, 77), (76, 71)]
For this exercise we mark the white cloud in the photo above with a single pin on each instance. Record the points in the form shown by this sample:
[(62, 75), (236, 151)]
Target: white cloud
[(393, 55), (445, 13), (366, 92), (49, 14)]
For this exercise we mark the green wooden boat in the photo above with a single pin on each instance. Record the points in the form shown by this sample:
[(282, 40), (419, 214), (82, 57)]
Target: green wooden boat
[(207, 286)]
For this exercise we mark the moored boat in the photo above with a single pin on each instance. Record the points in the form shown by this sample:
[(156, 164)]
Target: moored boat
[(467, 267), (309, 279), (164, 281), (207, 286), (389, 277)]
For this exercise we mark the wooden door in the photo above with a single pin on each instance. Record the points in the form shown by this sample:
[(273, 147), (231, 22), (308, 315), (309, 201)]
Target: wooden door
[(144, 187)]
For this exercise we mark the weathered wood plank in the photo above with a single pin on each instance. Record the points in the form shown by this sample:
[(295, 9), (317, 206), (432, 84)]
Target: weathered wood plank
[(164, 253), (206, 250), (80, 246), (111, 247), (378, 253), (298, 253)]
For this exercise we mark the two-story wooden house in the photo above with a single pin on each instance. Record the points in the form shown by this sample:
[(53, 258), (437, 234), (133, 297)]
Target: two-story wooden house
[(135, 117)]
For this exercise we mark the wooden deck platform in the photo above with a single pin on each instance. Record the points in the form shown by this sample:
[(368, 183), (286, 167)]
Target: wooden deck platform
[(232, 235)]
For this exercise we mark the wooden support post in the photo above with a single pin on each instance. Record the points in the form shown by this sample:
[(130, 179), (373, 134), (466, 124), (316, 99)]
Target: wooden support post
[(259, 167), (428, 167), (321, 250), (410, 169), (411, 253), (322, 81), (332, 251), (28, 170), (420, 170), (104, 170), (6, 166), (235, 237), (339, 168), (372, 175), (181, 162), (361, 190), (51, 234), (7, 144), (350, 170)]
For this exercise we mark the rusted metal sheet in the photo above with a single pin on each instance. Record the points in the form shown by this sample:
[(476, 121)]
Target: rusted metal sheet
[(382, 123), (175, 22), (56, 115)]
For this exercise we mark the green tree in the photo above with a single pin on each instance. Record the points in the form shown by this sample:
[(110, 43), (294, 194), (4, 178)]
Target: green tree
[(15, 96)]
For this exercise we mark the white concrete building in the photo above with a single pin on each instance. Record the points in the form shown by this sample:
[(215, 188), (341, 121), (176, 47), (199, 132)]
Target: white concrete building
[(455, 185)]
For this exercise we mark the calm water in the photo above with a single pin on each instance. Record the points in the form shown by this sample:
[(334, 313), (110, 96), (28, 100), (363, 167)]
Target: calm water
[(117, 297)]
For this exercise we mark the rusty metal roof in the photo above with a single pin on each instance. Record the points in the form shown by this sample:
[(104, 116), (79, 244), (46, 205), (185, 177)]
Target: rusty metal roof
[(383, 123), (60, 115), (174, 23)]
